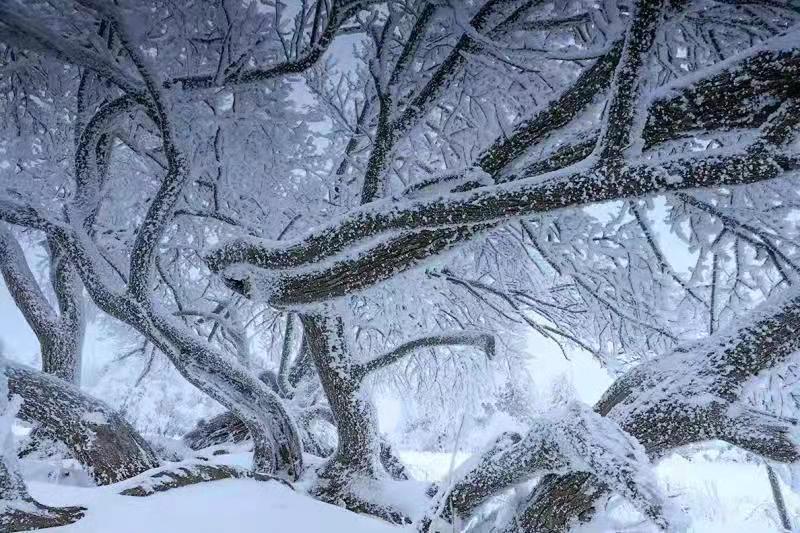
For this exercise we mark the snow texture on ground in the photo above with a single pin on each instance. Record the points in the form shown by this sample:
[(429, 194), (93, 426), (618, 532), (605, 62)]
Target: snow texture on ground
[(717, 495), (240, 506)]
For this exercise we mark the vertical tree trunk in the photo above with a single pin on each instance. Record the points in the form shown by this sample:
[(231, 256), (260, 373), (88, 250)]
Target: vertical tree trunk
[(358, 451), (61, 355), (777, 496), (62, 351)]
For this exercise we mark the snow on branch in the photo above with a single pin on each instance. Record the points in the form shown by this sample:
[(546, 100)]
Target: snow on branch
[(554, 115), (339, 12), (689, 396), (483, 341), (568, 183), (767, 435), (574, 439), (756, 81), (392, 126), (318, 266), (620, 131), (553, 23), (27, 32)]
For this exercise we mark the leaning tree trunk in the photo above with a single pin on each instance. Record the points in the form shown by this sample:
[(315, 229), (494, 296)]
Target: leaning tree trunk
[(18, 510), (97, 436), (688, 396)]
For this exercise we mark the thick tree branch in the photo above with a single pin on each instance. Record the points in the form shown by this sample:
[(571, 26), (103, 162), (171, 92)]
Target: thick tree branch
[(442, 223), (620, 131), (761, 65), (686, 397)]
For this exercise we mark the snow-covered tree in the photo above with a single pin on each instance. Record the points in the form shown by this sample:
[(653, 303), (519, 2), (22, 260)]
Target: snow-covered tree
[(467, 169)]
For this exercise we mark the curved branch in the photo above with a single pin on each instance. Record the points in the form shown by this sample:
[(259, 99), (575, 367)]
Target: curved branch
[(340, 12), (483, 341), (439, 224)]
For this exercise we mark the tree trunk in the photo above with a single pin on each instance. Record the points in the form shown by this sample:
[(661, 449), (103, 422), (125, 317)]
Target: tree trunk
[(61, 356), (359, 443), (59, 331), (98, 437), (18, 511), (358, 451), (62, 351), (777, 496)]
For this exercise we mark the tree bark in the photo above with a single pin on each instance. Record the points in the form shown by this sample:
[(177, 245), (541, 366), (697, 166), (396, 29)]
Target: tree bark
[(62, 351), (665, 404), (98, 437), (358, 450)]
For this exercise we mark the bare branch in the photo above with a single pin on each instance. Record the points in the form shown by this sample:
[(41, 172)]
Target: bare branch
[(340, 12), (483, 341)]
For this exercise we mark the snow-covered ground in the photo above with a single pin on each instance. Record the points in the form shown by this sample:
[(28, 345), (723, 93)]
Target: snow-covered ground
[(719, 492), (717, 495), (242, 506)]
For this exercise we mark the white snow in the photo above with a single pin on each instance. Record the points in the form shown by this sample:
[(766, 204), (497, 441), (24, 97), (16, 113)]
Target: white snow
[(717, 491), (241, 506)]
